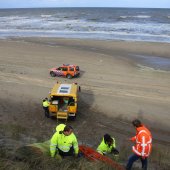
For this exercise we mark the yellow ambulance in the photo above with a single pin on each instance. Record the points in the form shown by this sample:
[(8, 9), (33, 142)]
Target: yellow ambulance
[(63, 100)]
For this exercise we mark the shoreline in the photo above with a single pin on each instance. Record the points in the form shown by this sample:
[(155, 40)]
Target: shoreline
[(151, 64), (83, 38)]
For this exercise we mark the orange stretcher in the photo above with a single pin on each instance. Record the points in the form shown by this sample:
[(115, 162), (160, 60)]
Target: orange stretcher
[(93, 155)]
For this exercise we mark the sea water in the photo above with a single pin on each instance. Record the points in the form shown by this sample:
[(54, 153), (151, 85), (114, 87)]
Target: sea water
[(131, 24)]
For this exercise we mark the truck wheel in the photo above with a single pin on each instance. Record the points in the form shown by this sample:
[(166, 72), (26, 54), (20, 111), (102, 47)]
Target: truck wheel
[(52, 74), (72, 118), (69, 76)]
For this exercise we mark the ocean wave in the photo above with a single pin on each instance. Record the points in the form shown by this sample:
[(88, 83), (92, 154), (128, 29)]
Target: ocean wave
[(45, 16), (84, 32), (82, 25), (104, 24), (103, 35), (141, 16), (123, 17), (136, 16), (13, 18)]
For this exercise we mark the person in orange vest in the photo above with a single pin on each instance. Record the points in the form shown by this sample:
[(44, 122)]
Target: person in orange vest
[(143, 145)]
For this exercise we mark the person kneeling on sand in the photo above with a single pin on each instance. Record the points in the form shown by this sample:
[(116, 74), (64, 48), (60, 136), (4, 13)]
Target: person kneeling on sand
[(108, 145), (64, 143)]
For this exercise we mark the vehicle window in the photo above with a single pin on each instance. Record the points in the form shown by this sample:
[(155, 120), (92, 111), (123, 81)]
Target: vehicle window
[(71, 102), (59, 68), (77, 68), (65, 69), (71, 69)]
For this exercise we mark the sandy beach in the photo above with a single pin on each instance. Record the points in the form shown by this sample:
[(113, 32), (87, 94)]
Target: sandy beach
[(116, 87)]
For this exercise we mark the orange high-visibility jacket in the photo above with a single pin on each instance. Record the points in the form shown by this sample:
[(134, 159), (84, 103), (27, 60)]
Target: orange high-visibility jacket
[(143, 141)]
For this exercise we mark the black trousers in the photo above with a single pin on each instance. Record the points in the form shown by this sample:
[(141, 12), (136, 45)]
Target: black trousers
[(69, 153), (46, 112)]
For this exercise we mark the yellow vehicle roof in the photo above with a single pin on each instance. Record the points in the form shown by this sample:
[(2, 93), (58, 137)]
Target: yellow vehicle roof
[(64, 90)]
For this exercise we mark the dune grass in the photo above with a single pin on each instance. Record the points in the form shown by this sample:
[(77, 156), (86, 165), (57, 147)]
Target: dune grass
[(9, 159)]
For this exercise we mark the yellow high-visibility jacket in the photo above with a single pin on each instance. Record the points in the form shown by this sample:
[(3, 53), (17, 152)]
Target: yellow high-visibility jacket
[(46, 103), (104, 148), (64, 143)]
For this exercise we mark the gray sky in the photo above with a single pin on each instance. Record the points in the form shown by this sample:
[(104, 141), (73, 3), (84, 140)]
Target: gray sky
[(84, 3)]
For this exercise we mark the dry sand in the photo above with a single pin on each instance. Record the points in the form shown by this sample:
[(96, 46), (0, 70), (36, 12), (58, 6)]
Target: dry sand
[(115, 89)]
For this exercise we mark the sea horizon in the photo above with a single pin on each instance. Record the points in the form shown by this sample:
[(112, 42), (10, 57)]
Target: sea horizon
[(82, 7)]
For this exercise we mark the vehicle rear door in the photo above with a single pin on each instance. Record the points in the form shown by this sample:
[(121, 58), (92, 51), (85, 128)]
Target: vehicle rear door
[(64, 71)]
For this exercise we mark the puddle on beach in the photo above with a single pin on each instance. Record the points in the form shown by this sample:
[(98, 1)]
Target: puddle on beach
[(155, 62)]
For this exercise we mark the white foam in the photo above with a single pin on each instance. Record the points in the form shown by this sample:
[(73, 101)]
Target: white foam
[(48, 25), (141, 16), (123, 16), (45, 16)]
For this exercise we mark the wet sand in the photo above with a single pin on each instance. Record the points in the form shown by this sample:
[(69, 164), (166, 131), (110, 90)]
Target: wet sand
[(116, 87)]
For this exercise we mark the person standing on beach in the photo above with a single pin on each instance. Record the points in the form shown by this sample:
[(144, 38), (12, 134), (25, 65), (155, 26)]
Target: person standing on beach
[(46, 107), (143, 146)]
